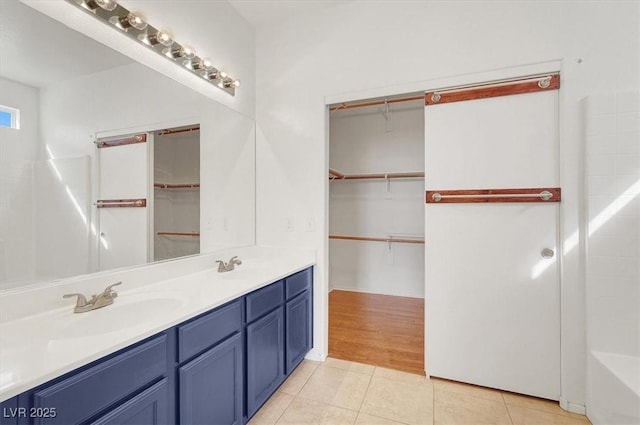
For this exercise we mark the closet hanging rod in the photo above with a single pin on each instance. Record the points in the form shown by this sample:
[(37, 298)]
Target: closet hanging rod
[(181, 130), (176, 186), (389, 240), (192, 234), (375, 103), (336, 173), (384, 176)]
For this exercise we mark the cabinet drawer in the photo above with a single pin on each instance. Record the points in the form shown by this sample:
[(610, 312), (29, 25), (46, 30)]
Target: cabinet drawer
[(202, 333), (298, 282), (83, 395), (147, 408), (264, 300)]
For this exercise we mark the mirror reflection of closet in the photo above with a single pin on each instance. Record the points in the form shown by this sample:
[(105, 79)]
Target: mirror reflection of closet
[(176, 194)]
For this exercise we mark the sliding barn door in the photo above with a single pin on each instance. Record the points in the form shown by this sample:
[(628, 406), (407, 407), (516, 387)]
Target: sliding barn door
[(492, 295), (122, 202)]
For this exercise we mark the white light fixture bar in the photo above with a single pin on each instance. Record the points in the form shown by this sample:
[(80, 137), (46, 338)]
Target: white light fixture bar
[(136, 28)]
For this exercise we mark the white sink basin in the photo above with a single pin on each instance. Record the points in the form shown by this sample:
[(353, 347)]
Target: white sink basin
[(123, 314), (237, 274)]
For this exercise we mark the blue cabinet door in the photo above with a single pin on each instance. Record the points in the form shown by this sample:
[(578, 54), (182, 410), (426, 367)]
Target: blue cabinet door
[(265, 359), (147, 408), (211, 386), (299, 331)]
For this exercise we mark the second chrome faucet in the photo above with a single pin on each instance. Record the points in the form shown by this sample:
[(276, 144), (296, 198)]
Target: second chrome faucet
[(102, 299), (229, 266)]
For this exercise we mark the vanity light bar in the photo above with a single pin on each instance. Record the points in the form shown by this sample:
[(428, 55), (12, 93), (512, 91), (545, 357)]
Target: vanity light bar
[(134, 26)]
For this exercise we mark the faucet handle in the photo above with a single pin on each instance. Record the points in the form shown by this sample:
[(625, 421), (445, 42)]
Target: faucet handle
[(222, 267), (81, 301), (234, 259), (110, 291)]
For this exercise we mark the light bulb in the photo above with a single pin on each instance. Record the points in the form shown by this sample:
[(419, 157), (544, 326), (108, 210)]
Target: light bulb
[(135, 21), (236, 83), (155, 39), (187, 52), (194, 65), (130, 21), (206, 64), (182, 52), (108, 5), (213, 75), (223, 75)]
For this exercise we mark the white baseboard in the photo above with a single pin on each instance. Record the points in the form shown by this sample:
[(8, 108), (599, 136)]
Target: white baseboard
[(362, 291), (316, 355), (573, 407)]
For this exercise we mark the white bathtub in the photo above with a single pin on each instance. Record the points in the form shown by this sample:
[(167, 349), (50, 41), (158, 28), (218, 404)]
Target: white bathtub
[(613, 389)]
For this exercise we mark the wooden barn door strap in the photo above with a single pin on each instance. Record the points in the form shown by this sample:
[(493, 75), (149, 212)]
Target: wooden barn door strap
[(538, 194), (128, 140), (121, 203), (501, 88)]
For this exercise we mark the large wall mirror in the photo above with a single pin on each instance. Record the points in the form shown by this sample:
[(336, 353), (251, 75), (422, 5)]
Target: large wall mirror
[(66, 103)]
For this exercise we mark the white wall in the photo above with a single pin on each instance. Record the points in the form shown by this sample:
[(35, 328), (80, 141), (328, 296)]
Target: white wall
[(18, 150), (363, 49), (613, 262), (364, 141), (61, 192), (176, 160)]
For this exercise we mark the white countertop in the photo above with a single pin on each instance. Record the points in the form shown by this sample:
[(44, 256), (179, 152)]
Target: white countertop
[(39, 347)]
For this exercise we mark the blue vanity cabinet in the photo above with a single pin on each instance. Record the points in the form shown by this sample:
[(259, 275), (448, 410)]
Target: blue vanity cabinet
[(217, 368), (265, 358), (211, 386)]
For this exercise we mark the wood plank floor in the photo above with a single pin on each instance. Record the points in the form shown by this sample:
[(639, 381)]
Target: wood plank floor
[(380, 330)]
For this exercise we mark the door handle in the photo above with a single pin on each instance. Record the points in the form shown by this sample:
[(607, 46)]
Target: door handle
[(547, 253)]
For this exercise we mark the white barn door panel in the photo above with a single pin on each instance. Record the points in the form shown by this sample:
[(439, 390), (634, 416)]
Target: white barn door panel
[(122, 204), (492, 300)]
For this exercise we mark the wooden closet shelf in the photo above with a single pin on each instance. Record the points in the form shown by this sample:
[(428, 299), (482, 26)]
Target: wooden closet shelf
[(336, 175), (390, 239), (177, 186), (191, 234)]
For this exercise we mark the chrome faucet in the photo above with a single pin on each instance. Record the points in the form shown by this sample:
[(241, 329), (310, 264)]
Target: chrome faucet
[(230, 265), (100, 300)]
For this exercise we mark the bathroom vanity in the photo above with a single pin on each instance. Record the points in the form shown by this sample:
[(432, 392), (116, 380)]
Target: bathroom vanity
[(219, 366)]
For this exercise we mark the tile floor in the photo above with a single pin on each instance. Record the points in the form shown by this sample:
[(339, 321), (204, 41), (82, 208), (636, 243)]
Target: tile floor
[(340, 392)]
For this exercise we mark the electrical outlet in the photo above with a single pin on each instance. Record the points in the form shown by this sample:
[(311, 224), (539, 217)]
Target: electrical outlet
[(288, 224), (310, 224)]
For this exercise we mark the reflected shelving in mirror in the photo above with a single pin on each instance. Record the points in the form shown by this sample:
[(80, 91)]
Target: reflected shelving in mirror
[(176, 186)]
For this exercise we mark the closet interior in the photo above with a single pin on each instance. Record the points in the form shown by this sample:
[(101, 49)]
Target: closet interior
[(376, 232), (176, 202)]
